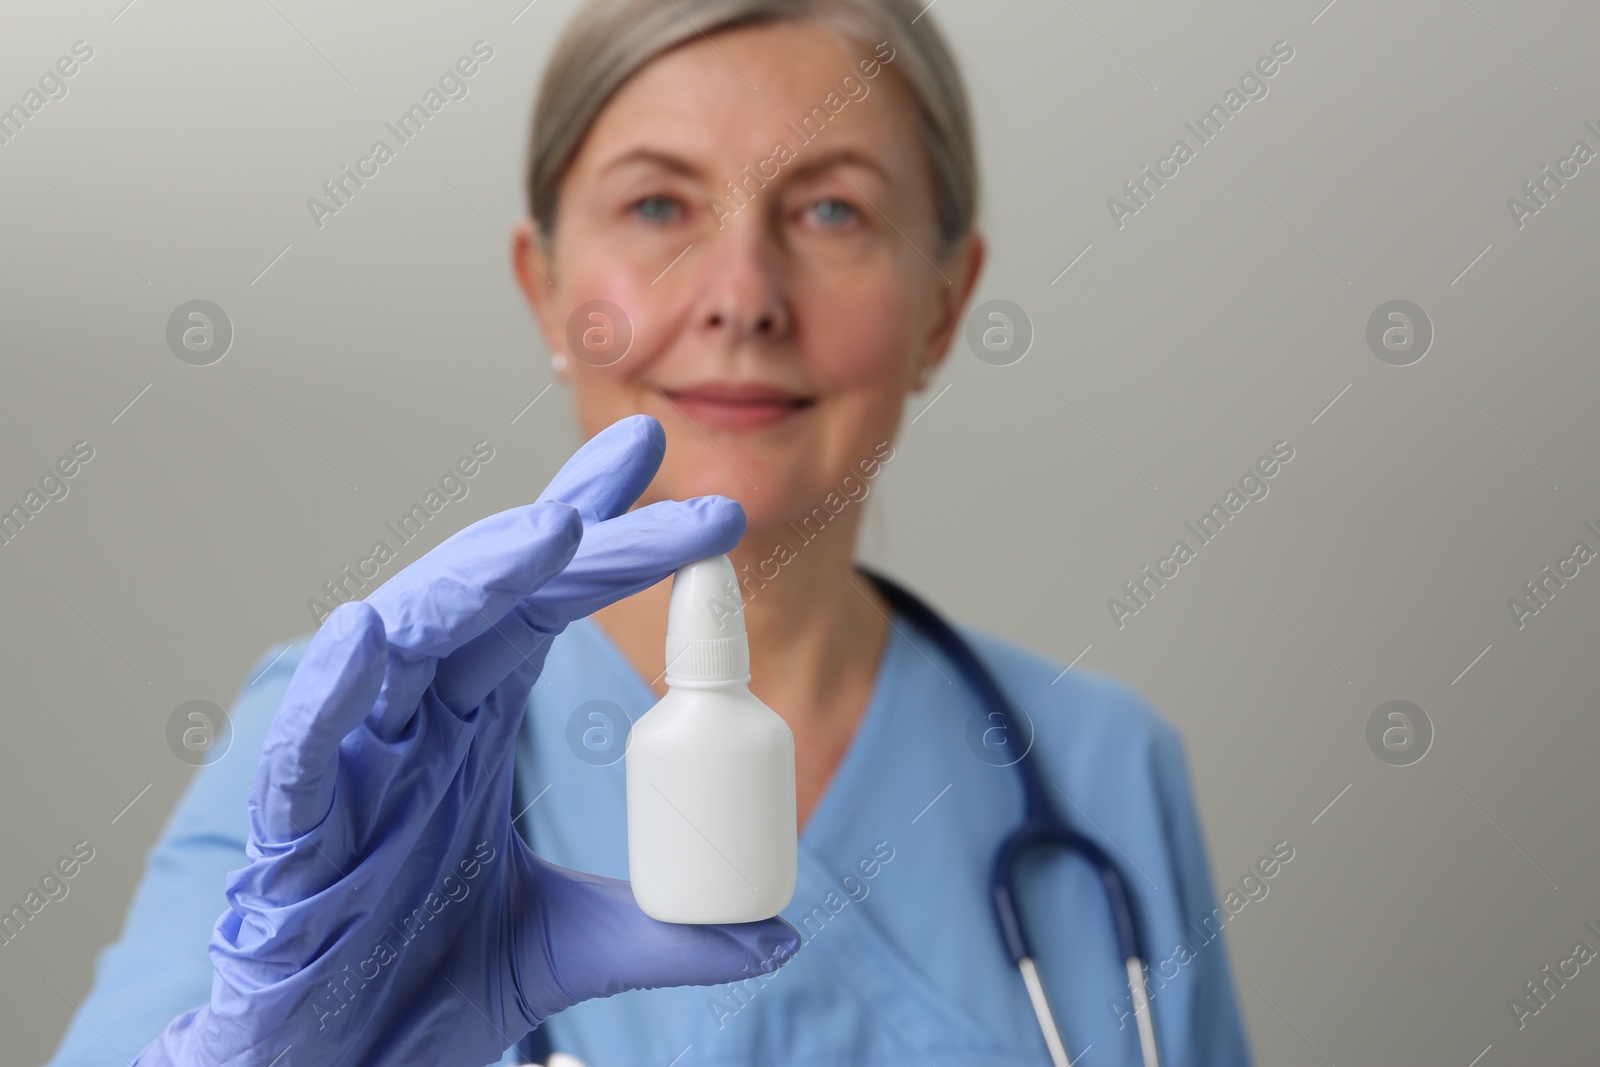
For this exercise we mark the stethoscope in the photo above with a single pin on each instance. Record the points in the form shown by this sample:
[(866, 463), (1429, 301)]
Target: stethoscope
[(1041, 828)]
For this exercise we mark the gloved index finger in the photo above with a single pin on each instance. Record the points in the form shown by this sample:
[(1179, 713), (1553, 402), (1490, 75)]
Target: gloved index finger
[(632, 552), (605, 476), (465, 585), (618, 558)]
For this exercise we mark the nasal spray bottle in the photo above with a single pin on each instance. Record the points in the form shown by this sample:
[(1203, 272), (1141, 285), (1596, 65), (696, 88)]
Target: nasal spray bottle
[(712, 832)]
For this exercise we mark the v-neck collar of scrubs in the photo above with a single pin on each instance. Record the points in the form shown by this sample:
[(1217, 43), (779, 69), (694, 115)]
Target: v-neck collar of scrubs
[(845, 783)]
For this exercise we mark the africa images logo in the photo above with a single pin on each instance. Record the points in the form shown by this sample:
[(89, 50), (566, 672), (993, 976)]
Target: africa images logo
[(1253, 486), (1252, 85), (454, 84)]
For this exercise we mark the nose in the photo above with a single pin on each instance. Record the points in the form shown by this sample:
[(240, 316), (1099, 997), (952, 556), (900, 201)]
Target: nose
[(742, 298)]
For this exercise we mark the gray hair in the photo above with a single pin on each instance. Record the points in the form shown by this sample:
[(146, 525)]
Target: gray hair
[(609, 41)]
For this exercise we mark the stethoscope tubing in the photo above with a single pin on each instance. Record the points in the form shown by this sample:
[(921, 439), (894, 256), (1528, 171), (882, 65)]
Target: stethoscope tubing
[(1042, 827)]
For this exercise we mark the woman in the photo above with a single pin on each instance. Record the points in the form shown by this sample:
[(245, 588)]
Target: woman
[(751, 238)]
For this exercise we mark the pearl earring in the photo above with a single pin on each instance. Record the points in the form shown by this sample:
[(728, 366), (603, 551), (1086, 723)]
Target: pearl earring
[(558, 363)]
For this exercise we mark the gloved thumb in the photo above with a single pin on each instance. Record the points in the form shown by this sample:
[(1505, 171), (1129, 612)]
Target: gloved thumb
[(600, 943)]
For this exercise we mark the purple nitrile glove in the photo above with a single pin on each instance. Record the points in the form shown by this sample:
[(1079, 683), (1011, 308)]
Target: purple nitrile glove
[(390, 913)]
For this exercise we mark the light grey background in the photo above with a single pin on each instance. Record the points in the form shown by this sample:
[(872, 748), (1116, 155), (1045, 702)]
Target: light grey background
[(1225, 316)]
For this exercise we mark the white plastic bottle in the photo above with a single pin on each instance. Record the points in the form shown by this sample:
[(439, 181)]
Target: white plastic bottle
[(710, 770)]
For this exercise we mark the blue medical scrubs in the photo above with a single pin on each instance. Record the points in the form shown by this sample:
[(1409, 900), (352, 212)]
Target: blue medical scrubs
[(901, 962)]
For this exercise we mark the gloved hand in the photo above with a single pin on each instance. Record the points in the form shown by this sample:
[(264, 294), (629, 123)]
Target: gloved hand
[(390, 914)]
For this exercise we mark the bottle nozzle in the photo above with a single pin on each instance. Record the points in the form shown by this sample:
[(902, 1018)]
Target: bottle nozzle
[(706, 639)]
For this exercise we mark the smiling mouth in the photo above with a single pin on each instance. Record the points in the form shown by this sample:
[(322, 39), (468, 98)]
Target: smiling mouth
[(737, 406)]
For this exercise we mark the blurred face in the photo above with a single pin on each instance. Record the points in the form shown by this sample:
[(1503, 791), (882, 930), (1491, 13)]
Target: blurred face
[(774, 329)]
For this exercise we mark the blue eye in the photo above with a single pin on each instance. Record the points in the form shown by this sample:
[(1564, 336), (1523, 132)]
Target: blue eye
[(656, 208), (832, 212)]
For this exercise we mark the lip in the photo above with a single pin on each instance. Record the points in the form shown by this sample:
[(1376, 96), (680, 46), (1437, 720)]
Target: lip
[(737, 405)]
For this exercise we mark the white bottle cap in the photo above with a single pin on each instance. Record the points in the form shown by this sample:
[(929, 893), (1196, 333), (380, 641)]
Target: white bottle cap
[(706, 640)]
